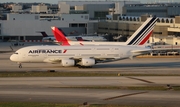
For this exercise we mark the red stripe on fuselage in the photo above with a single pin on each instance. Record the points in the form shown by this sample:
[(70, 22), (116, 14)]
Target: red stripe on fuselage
[(81, 44), (145, 39), (65, 51)]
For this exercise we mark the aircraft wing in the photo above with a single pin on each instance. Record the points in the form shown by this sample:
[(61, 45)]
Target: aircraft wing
[(59, 60), (141, 51), (53, 60), (98, 60), (7, 51)]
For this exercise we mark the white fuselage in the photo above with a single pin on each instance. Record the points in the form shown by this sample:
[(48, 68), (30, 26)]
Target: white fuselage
[(74, 38), (95, 43), (88, 38), (55, 54)]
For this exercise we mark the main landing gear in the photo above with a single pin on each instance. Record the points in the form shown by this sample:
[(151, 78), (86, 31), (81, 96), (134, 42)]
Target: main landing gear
[(84, 66)]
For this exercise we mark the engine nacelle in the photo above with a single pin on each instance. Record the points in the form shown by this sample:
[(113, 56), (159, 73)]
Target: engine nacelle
[(87, 62), (67, 62)]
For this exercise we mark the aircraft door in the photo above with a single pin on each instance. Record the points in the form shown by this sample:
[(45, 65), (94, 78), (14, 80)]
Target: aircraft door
[(112, 49), (45, 55), (24, 56)]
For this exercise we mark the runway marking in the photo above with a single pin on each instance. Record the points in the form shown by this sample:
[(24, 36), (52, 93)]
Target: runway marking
[(140, 80), (125, 95)]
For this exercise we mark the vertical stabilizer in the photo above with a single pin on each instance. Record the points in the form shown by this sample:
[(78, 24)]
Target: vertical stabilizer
[(44, 34), (143, 33), (60, 36)]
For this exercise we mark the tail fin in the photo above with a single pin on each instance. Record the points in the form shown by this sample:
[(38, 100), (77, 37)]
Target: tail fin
[(44, 34), (143, 33), (79, 39), (60, 36)]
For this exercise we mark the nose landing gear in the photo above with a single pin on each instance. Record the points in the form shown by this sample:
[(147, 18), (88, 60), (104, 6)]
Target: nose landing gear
[(20, 65)]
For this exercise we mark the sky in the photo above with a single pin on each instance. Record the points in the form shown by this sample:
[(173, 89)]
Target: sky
[(56, 1)]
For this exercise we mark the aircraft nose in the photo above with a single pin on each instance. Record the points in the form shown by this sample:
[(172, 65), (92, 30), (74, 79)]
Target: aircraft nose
[(13, 58)]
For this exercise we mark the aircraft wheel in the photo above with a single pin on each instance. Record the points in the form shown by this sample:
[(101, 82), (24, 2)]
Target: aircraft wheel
[(80, 67), (84, 66)]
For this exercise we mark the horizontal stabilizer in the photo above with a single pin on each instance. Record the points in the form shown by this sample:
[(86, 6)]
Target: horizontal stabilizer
[(141, 51)]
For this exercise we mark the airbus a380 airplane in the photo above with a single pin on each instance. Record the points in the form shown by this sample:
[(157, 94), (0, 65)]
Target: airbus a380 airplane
[(81, 56), (139, 37), (87, 55)]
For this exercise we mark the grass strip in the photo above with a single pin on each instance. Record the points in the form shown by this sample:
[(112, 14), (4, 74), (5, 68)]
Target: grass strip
[(53, 74), (155, 88), (74, 74), (33, 104)]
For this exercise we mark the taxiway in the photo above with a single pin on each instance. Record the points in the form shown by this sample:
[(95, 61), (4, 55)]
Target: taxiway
[(75, 89)]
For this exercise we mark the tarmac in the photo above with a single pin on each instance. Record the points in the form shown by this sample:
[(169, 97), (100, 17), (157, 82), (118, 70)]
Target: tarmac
[(65, 89), (164, 66)]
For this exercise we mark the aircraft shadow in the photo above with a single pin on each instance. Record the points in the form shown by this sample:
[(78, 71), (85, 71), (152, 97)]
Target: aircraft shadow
[(134, 65)]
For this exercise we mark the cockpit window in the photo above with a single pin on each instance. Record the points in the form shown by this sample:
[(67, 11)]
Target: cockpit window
[(15, 53)]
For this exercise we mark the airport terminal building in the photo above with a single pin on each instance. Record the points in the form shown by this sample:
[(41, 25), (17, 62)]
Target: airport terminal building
[(28, 26), (114, 18), (82, 16), (167, 30)]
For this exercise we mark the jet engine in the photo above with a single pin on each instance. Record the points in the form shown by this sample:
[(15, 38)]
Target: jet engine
[(87, 62), (67, 62)]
